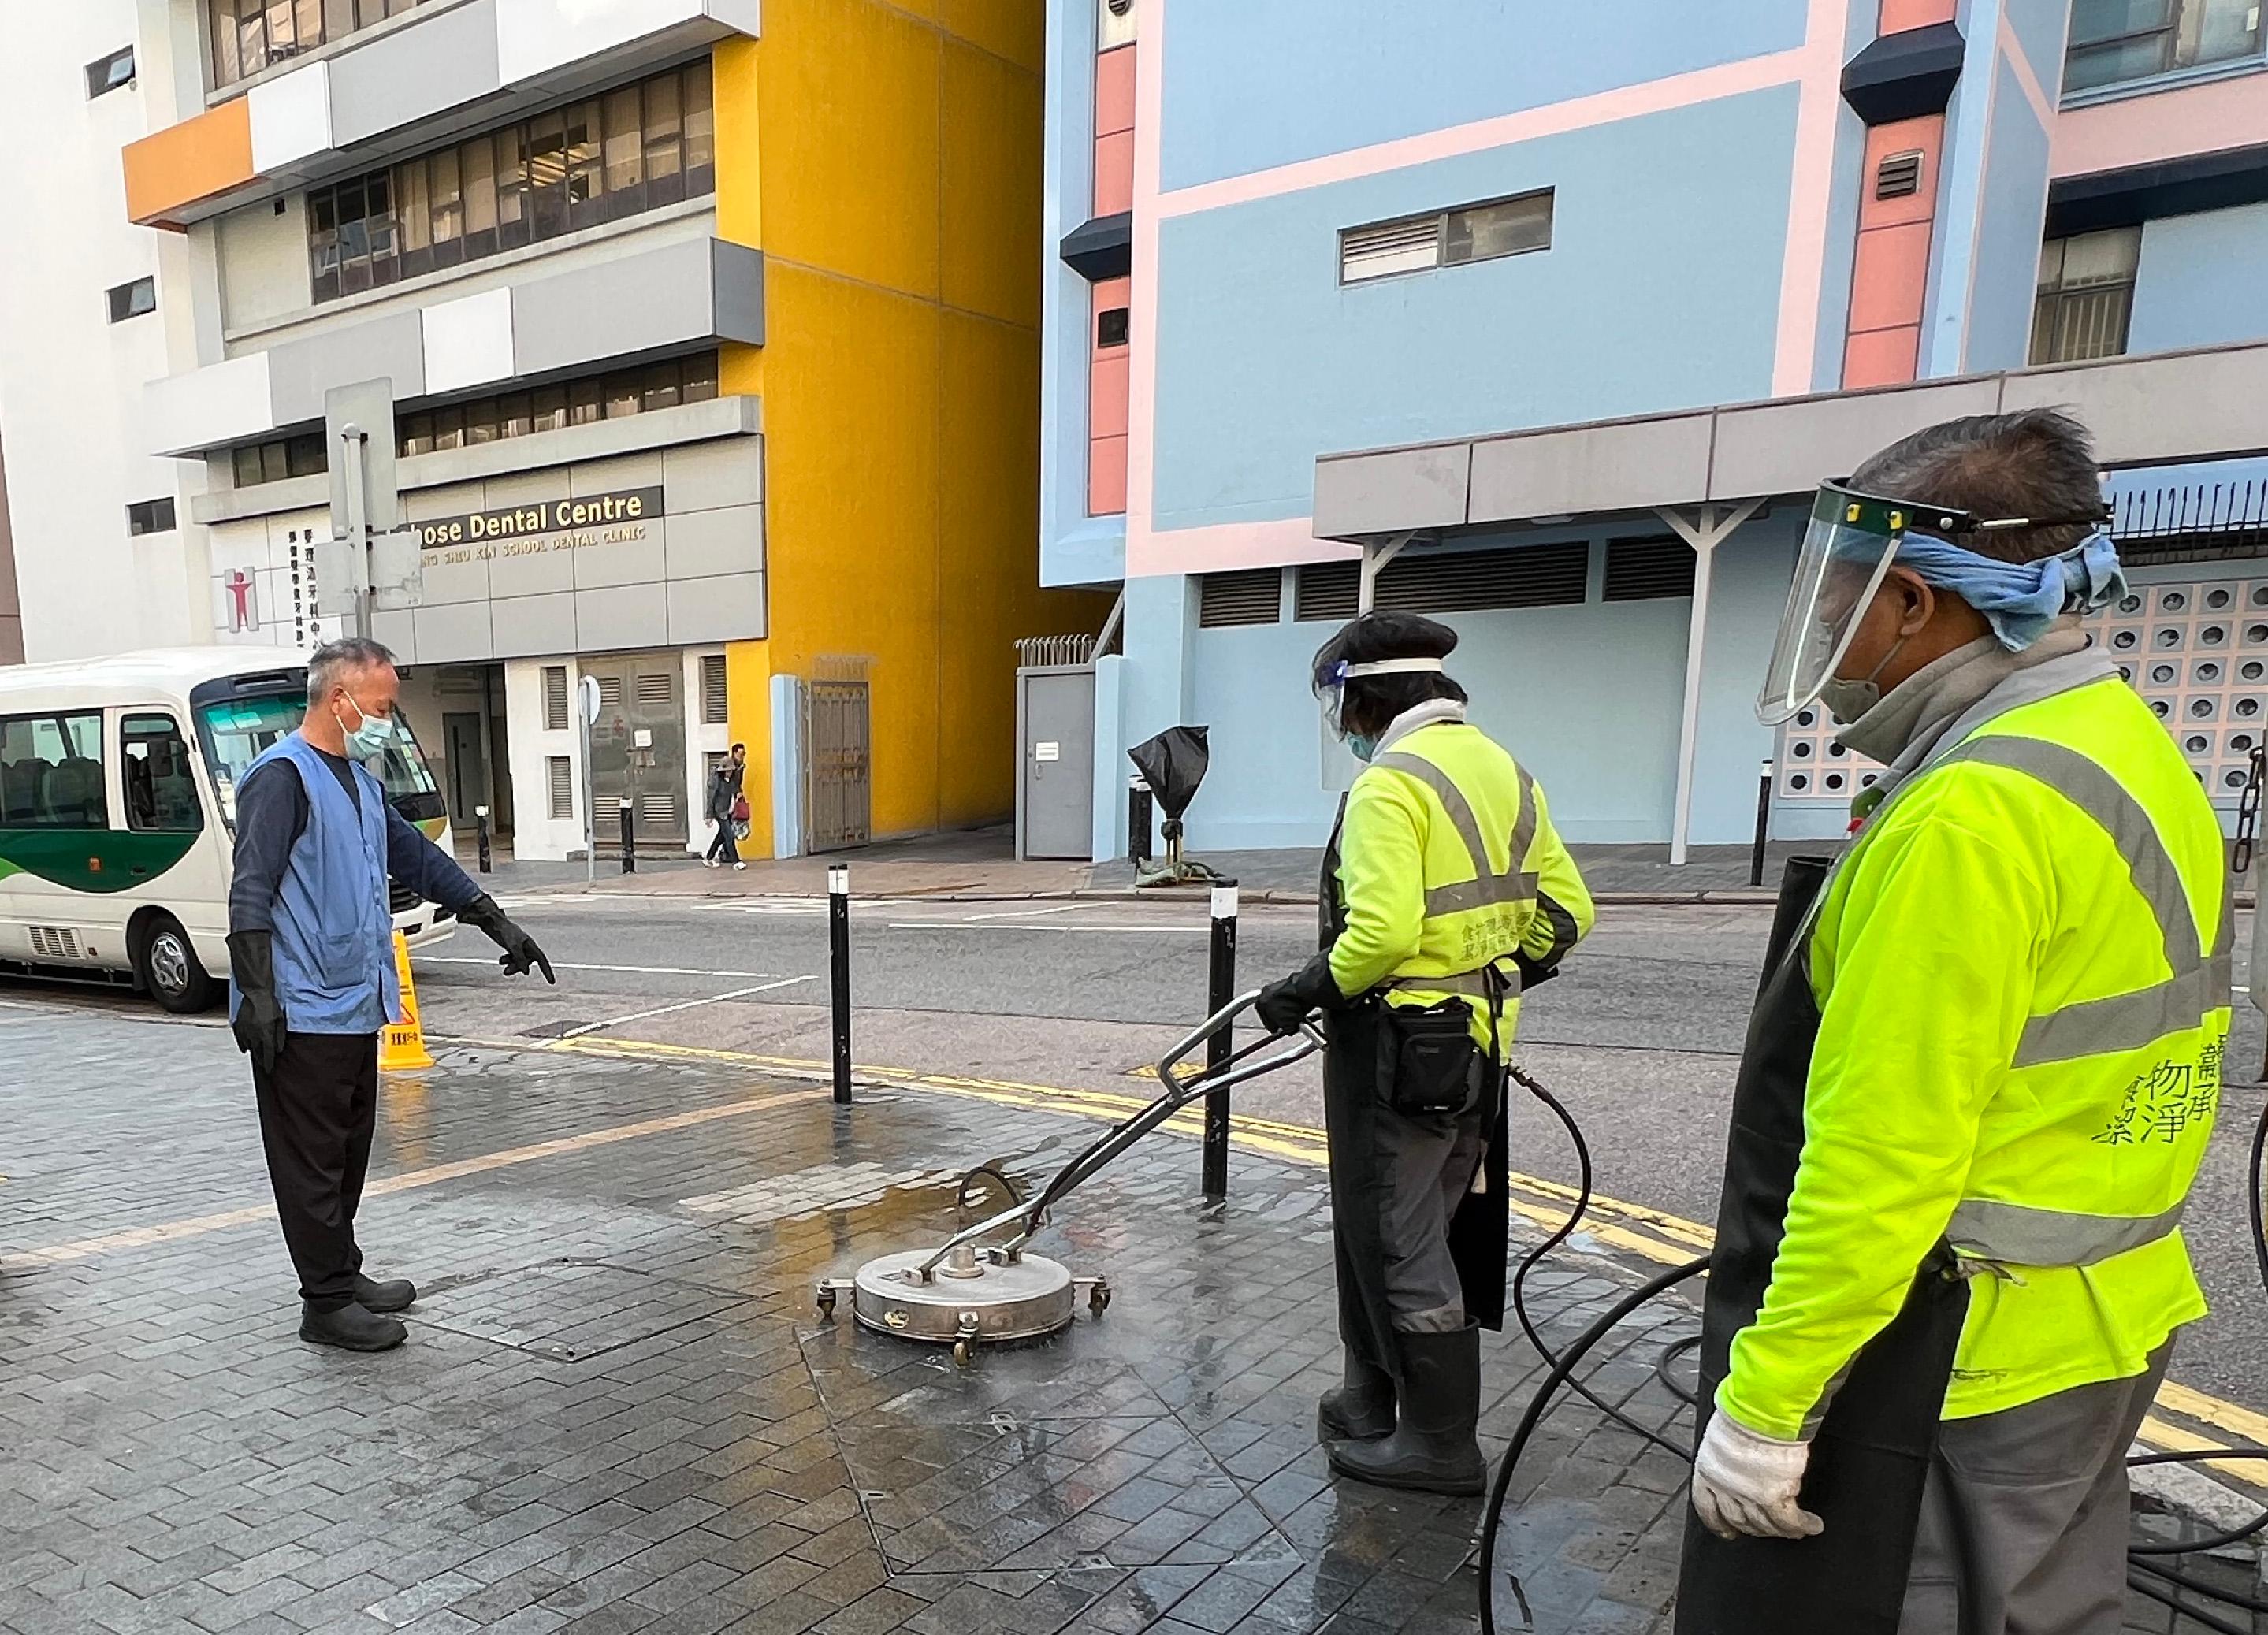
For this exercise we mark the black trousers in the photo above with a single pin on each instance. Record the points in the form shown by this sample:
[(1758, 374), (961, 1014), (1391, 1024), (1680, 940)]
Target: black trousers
[(726, 847), (318, 1111)]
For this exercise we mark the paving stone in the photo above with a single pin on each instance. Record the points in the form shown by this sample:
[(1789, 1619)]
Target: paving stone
[(618, 1412)]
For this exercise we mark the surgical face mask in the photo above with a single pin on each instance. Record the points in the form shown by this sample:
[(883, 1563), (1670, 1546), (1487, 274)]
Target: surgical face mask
[(1364, 745), (373, 738)]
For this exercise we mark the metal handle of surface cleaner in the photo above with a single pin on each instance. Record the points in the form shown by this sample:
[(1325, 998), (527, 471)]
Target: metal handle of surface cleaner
[(1248, 1061)]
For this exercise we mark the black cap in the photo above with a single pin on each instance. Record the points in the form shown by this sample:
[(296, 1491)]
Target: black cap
[(1376, 636)]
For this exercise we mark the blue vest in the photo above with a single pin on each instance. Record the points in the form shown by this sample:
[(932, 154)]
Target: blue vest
[(333, 942)]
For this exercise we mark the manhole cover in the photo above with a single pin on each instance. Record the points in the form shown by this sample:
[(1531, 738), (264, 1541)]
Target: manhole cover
[(571, 1310)]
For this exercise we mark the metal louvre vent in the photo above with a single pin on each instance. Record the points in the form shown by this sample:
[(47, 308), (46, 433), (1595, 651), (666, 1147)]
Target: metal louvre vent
[(658, 810), (1898, 176), (610, 692), (555, 698), (559, 771), (1384, 248), (1251, 596), (712, 690), (1644, 570), (1327, 590), (55, 942), (657, 689), (1539, 575)]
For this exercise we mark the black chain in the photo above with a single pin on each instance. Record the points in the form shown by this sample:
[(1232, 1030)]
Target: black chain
[(2248, 811)]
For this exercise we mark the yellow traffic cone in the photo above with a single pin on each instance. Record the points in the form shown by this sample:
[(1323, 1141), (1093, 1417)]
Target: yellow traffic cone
[(402, 1047)]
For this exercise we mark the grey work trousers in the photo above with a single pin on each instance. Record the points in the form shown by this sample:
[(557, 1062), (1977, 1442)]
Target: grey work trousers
[(2023, 1523), (1427, 1164)]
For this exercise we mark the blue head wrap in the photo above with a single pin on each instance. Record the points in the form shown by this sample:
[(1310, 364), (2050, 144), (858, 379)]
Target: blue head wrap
[(2019, 600)]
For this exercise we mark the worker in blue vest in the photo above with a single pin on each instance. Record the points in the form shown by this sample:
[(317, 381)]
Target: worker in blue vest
[(312, 972)]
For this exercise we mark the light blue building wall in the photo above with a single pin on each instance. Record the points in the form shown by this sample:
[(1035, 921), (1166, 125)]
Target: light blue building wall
[(1254, 84), (2203, 280), (1661, 289)]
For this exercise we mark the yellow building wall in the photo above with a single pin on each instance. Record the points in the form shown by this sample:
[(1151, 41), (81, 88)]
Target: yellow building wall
[(887, 159)]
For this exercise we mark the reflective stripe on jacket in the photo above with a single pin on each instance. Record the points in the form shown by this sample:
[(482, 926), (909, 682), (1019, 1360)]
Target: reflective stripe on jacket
[(1448, 863), (2023, 973)]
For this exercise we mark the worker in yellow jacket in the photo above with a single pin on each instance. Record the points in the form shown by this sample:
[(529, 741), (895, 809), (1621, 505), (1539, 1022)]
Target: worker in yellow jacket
[(1978, 1085), (1446, 890)]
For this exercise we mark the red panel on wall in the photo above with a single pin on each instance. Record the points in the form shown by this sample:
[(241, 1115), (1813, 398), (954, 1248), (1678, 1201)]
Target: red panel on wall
[(1901, 14), (1889, 270), (1108, 368), (1106, 476), (1114, 91), (1113, 173), (1885, 284), (1881, 357)]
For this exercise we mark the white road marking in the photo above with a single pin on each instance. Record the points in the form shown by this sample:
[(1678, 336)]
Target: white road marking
[(688, 1005), (1026, 914), (628, 970)]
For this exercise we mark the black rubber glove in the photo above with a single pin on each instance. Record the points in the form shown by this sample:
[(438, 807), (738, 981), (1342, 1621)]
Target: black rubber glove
[(1284, 1004), (519, 950), (1532, 975), (259, 1024)]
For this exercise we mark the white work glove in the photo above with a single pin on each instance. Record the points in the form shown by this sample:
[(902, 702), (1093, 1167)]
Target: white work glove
[(1745, 1482)]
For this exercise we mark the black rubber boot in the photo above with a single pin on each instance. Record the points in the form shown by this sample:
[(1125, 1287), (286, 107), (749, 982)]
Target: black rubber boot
[(1360, 1407), (396, 1294), (351, 1329), (1433, 1448)]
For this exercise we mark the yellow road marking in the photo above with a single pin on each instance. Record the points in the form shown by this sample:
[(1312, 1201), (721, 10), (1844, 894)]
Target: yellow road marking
[(1655, 1234), (2174, 1440), (198, 1225)]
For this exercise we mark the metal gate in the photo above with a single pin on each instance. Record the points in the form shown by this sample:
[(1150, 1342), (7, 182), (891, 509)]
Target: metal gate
[(838, 794), (637, 747)]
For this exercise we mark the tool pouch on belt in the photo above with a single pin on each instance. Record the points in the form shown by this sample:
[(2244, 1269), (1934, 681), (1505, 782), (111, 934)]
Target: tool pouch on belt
[(1429, 1060)]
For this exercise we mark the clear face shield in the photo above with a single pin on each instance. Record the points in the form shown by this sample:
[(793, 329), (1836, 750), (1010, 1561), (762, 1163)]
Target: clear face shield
[(1847, 551), (1331, 680)]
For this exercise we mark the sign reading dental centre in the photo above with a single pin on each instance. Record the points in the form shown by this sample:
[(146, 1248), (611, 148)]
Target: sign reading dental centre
[(612, 519)]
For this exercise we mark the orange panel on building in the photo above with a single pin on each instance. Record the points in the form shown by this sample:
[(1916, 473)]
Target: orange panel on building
[(1108, 371), (1898, 16), (1114, 131), (195, 159), (1889, 272)]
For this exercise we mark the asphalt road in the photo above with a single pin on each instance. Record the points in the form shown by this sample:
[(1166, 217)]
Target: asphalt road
[(1640, 1036)]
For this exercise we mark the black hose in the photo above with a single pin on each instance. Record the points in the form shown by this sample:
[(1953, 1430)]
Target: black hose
[(1566, 1230), (1561, 1367), (1670, 1354), (2249, 1604), (2142, 1586)]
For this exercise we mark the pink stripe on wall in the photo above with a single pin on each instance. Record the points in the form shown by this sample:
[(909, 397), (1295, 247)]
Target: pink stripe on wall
[(1705, 84), (2220, 114), (1224, 547), (1803, 265)]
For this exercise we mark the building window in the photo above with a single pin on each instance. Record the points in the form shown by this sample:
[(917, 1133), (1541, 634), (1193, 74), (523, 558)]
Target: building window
[(2116, 40), (161, 792), (1110, 326), (2086, 295), (149, 516), (602, 160), (108, 74), (614, 396), (51, 772), (251, 36), (132, 300), (305, 456), (1470, 232)]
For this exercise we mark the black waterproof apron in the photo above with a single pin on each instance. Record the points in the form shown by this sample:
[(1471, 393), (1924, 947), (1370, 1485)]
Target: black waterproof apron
[(1870, 1456), (1480, 1233)]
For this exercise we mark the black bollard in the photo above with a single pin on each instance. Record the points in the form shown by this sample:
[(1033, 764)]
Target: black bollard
[(481, 836), (838, 962), (1137, 822), (629, 837), (1221, 987), (1763, 826)]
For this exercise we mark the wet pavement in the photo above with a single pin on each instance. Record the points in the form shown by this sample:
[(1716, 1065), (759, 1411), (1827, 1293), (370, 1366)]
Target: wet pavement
[(618, 1409)]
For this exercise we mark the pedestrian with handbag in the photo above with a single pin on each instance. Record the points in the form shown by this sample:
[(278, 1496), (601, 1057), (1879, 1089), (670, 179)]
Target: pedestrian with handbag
[(727, 808)]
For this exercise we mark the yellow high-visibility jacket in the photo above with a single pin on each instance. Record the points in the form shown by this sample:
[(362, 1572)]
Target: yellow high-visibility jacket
[(1448, 863), (2023, 974)]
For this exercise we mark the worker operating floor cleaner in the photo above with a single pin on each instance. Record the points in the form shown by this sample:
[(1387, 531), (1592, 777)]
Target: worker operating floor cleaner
[(1446, 890), (1978, 1086)]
